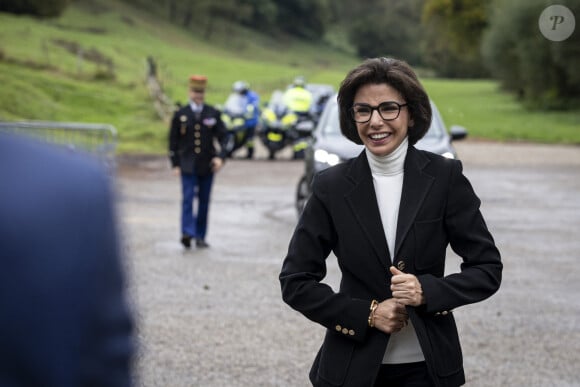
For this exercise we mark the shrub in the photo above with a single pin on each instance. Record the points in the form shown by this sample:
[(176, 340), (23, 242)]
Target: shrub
[(545, 74), (41, 8)]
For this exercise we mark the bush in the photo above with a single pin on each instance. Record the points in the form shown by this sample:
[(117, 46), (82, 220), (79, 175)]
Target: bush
[(543, 73), (452, 37), (41, 8), (389, 30)]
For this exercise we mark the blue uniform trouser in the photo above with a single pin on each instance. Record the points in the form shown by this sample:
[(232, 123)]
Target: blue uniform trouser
[(192, 186), (251, 132)]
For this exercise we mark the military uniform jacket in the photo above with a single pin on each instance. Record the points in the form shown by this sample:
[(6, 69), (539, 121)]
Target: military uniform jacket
[(191, 139), (438, 208)]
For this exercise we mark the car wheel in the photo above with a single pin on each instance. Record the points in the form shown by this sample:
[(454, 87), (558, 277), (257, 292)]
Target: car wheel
[(302, 194)]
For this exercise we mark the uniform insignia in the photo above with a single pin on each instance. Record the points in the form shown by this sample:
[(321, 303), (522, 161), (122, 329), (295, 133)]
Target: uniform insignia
[(209, 121), (183, 118)]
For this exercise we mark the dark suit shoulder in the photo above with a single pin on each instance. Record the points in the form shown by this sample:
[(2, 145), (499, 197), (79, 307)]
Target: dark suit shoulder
[(212, 110), (335, 171), (431, 162), (183, 109), (333, 175), (433, 156), (339, 179)]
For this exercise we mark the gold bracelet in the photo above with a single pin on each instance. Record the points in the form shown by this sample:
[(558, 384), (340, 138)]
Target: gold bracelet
[(371, 320)]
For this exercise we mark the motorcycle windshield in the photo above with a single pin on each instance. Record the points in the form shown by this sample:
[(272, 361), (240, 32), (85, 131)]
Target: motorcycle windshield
[(235, 105), (277, 104)]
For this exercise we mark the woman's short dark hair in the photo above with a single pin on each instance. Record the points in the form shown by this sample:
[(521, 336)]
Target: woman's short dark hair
[(397, 74)]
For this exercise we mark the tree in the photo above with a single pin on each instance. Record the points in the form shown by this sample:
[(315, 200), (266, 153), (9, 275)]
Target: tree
[(41, 8), (303, 18), (233, 11), (543, 73), (388, 28), (263, 14), (453, 30)]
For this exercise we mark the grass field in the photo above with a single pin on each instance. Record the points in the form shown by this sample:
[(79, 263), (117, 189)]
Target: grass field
[(44, 77), (488, 113)]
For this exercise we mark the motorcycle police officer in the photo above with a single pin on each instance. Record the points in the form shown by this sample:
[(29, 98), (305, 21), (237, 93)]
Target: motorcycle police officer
[(252, 115), (298, 99), (194, 157)]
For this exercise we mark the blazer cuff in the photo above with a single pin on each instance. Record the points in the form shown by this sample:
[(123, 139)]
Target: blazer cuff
[(173, 159), (429, 286), (353, 325)]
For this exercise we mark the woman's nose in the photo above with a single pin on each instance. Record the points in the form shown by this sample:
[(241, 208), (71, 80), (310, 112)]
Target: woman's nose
[(376, 118)]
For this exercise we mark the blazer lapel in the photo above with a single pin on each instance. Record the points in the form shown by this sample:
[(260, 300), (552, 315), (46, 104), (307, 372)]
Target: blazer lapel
[(416, 184), (363, 204)]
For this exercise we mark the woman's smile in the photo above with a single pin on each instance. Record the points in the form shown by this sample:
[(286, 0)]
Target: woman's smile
[(379, 137)]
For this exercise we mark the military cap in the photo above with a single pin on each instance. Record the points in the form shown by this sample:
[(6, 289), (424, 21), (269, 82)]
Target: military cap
[(198, 82)]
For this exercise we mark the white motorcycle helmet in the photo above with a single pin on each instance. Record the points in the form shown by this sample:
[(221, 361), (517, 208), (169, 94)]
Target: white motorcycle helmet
[(240, 87), (299, 81)]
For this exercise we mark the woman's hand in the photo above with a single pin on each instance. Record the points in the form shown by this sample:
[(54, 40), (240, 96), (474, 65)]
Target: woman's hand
[(406, 288), (390, 316)]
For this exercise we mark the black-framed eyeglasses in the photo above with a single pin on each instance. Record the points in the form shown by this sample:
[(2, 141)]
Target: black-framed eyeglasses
[(390, 110)]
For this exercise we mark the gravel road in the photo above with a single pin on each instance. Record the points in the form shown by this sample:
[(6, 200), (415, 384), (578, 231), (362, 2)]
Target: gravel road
[(215, 317)]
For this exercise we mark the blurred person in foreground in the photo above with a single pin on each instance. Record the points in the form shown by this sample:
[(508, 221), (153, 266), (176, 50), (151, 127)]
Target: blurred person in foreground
[(193, 156), (388, 215), (65, 320)]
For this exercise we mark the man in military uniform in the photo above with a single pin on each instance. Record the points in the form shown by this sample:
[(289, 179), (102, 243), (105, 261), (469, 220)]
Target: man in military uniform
[(194, 127)]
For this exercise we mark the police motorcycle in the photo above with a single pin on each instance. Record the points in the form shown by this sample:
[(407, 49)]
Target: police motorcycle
[(235, 114), (303, 129), (276, 125), (281, 127)]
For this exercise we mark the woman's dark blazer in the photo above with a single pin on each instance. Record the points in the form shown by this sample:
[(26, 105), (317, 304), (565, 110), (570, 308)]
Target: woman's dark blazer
[(438, 208)]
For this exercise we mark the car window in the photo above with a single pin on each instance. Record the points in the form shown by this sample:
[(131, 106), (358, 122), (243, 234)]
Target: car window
[(437, 128), (329, 121)]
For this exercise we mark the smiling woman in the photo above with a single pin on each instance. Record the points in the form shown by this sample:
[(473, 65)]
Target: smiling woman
[(389, 213)]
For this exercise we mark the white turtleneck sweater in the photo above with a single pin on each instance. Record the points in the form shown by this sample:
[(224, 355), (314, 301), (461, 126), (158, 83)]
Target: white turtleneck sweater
[(388, 172)]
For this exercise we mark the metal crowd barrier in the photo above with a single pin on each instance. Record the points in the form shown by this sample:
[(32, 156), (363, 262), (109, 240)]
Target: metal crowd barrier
[(97, 139)]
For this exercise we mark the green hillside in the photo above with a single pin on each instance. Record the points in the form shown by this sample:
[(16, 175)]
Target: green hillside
[(43, 76)]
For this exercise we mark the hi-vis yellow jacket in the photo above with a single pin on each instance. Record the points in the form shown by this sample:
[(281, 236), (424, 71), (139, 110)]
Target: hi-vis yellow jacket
[(298, 99)]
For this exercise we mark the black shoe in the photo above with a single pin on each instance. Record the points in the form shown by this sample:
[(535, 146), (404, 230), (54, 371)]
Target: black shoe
[(201, 243), (186, 241)]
